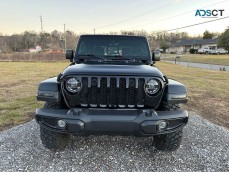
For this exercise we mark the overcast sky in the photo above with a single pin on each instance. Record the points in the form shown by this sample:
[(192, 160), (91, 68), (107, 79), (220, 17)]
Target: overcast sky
[(83, 16)]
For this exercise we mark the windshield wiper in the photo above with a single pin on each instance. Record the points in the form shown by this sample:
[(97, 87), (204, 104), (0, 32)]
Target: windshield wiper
[(120, 57), (89, 56)]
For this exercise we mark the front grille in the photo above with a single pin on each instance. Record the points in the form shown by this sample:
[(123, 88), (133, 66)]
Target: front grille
[(112, 92)]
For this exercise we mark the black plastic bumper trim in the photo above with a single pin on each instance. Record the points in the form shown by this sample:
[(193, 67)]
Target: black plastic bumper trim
[(123, 121)]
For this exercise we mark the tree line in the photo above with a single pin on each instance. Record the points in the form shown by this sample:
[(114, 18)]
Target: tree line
[(30, 39), (56, 40)]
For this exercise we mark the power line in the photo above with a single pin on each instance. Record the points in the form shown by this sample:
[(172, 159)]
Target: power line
[(123, 21), (191, 25), (157, 21), (131, 18)]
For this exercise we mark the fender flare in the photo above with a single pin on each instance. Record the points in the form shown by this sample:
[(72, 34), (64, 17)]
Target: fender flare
[(175, 93), (48, 90)]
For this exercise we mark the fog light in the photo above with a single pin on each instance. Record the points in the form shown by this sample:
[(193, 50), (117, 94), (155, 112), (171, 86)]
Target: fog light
[(61, 123), (162, 125)]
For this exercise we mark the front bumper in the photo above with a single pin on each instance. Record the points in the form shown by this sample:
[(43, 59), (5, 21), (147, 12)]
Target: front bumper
[(111, 121)]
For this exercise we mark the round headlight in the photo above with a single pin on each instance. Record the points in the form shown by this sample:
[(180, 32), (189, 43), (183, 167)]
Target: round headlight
[(73, 85), (152, 86)]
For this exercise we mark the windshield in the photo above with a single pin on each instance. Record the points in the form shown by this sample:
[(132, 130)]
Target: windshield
[(112, 47)]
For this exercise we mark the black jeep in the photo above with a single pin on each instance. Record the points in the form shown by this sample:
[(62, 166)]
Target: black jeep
[(112, 87)]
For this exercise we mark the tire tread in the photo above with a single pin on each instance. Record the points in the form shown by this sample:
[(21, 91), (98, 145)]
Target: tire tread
[(170, 141), (50, 139)]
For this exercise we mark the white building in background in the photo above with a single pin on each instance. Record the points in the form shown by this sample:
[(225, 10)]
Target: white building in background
[(186, 44), (35, 50), (38, 48)]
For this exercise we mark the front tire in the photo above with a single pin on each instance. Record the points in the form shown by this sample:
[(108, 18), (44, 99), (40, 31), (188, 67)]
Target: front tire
[(170, 141), (50, 139)]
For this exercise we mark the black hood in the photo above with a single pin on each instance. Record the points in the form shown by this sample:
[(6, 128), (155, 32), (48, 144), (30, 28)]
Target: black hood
[(112, 70)]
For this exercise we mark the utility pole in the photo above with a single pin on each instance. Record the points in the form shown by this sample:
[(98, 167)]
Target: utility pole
[(65, 39), (15, 44), (41, 24)]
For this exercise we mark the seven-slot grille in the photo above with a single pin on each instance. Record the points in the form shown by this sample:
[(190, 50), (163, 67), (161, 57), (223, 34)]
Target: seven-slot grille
[(112, 92)]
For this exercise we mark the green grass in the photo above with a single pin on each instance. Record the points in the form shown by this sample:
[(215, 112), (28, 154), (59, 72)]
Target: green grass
[(18, 89), (18, 111), (207, 90), (199, 58)]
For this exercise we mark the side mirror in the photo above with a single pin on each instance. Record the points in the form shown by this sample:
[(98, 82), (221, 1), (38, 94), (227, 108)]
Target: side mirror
[(156, 56), (69, 54)]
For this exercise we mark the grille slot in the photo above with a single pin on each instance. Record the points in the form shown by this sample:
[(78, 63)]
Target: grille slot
[(131, 93), (122, 92), (93, 92), (103, 92), (113, 93), (84, 92), (140, 93)]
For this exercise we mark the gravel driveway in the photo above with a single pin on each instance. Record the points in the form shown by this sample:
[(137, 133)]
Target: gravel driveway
[(205, 147)]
